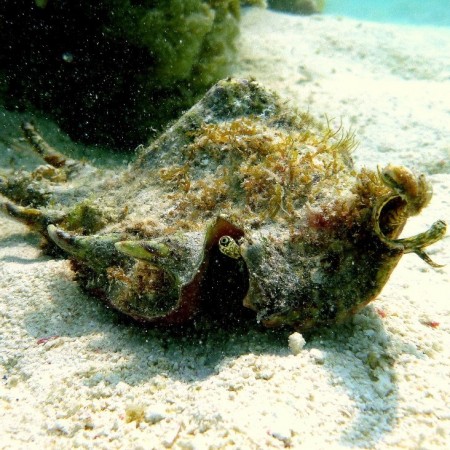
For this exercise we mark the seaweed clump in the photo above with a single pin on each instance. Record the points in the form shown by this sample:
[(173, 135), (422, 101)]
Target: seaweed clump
[(111, 71), (256, 167)]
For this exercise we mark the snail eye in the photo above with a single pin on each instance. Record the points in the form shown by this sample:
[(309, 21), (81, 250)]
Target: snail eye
[(229, 247)]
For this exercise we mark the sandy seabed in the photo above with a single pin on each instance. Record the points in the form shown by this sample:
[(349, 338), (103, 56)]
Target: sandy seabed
[(74, 375)]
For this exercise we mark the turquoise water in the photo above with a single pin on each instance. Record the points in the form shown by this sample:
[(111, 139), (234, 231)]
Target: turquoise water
[(418, 12)]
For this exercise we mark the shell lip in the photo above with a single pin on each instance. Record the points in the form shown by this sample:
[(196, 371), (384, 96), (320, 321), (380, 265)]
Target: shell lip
[(208, 288), (393, 209)]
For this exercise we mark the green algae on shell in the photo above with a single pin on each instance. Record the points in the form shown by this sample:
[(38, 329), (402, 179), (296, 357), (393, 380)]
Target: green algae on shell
[(245, 207)]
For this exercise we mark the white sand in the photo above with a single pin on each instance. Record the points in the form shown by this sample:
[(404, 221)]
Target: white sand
[(379, 382)]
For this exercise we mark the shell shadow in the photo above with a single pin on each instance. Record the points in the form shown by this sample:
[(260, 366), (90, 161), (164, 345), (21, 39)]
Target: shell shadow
[(197, 352), (364, 369), (18, 239), (13, 239)]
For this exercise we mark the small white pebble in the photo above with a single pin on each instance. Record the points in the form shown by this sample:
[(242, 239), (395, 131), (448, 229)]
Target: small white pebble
[(154, 415), (296, 343), (317, 355)]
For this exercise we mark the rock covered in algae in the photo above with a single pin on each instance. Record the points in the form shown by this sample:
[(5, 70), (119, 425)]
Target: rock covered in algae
[(111, 70), (244, 208), (290, 6), (298, 6)]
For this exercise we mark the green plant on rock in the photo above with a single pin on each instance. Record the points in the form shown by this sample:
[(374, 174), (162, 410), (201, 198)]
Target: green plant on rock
[(111, 71)]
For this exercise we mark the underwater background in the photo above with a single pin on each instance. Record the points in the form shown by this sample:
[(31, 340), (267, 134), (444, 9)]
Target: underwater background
[(74, 375), (418, 12)]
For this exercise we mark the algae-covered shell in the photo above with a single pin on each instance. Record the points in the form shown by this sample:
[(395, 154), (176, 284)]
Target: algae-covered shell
[(245, 207)]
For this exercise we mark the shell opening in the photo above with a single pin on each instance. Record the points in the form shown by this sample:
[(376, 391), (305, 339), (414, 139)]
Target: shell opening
[(225, 282)]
